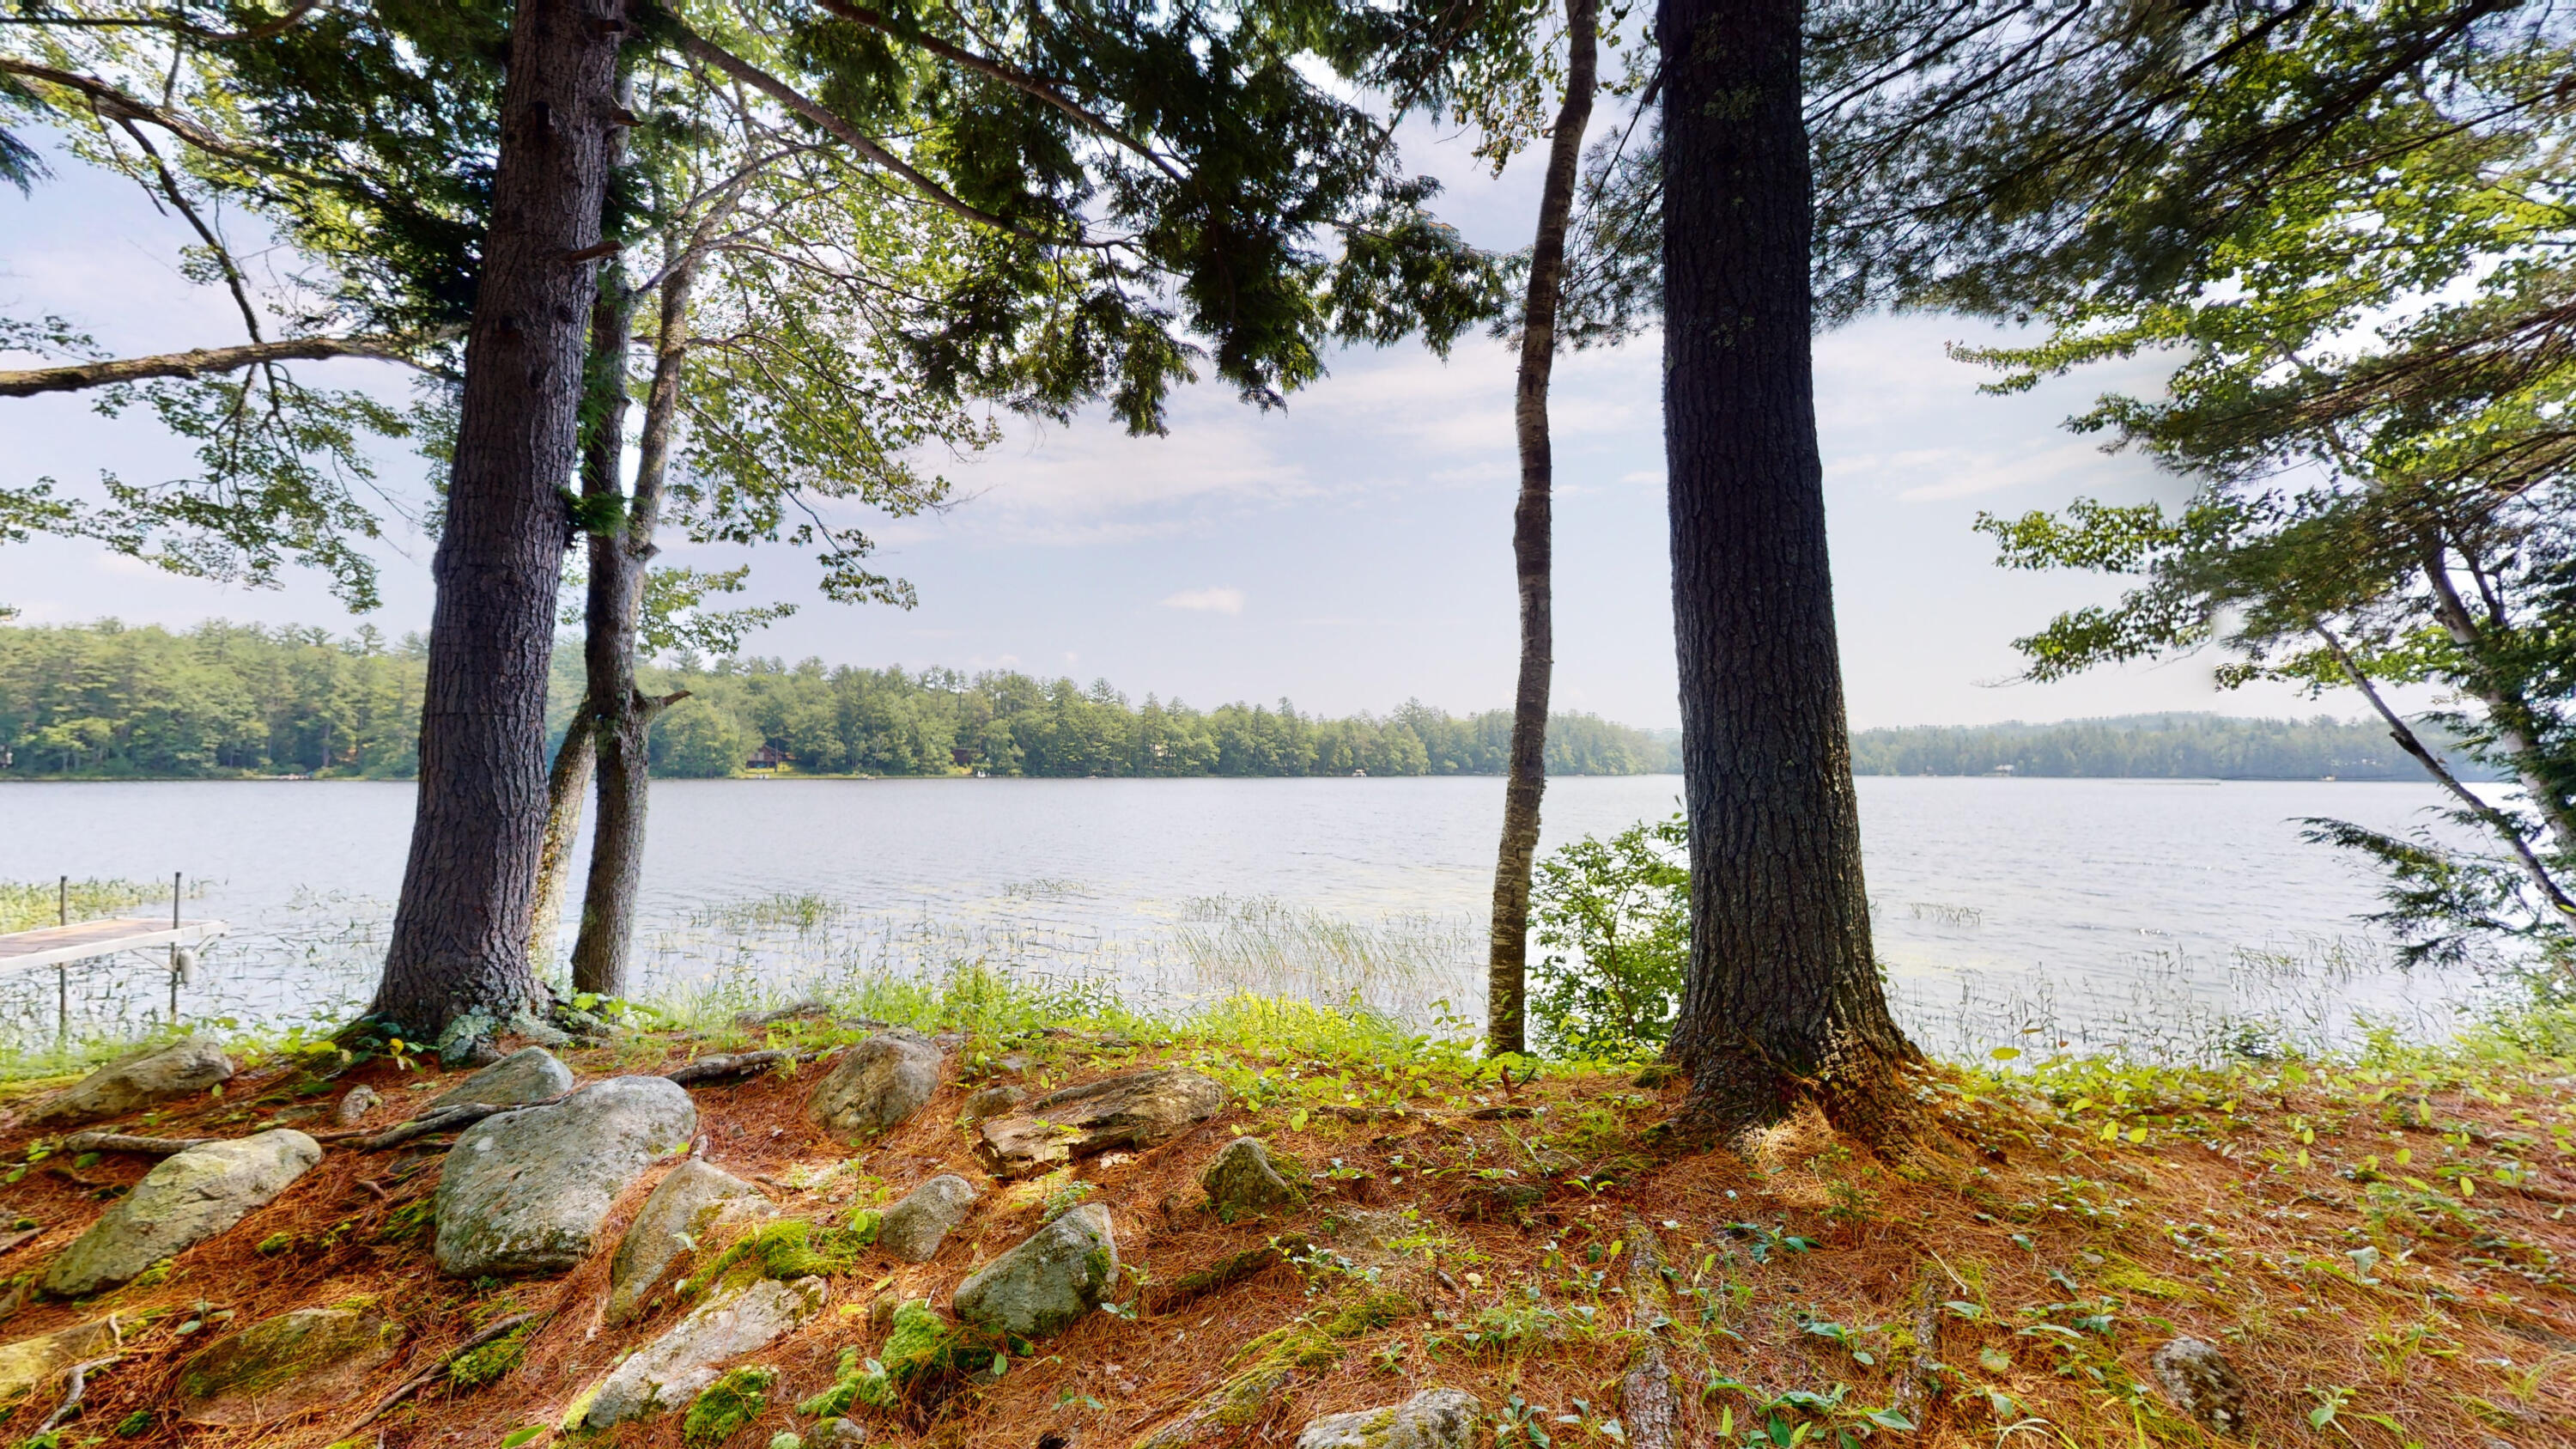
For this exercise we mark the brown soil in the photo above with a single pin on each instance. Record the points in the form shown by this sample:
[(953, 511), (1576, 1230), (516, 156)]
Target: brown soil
[(2250, 1215)]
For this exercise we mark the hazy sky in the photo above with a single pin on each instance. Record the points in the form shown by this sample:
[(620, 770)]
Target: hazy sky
[(1349, 553)]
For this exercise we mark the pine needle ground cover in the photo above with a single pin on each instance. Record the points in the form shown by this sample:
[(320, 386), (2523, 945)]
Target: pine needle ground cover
[(2381, 1246)]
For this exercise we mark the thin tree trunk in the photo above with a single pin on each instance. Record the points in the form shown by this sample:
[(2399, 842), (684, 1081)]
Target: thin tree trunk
[(624, 714), (603, 450), (1783, 999), (1507, 965), (2509, 711), (567, 794), (460, 935)]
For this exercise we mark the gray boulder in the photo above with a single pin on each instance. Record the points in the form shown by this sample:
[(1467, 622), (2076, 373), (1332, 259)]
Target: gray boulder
[(189, 1198), (1137, 1109), (526, 1191), (2201, 1383), (1047, 1284), (912, 1229), (308, 1359), (355, 1104), (1243, 1179), (27, 1364), (1432, 1419), (530, 1074), (688, 1208), (877, 1085), (184, 1068), (994, 1101), (668, 1372)]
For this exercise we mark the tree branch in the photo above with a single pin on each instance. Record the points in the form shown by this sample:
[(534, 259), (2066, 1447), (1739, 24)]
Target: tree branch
[(1008, 74), (2407, 740), (74, 377), (117, 105), (698, 47)]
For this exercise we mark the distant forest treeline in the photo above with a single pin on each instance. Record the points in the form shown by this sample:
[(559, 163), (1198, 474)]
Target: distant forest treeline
[(2154, 746), (105, 701)]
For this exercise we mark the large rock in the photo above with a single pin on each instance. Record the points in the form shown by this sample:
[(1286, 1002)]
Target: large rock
[(877, 1085), (690, 1207), (530, 1074), (1432, 1419), (526, 1191), (189, 1198), (1045, 1285), (29, 1363), (2201, 1383), (1138, 1109), (913, 1228), (184, 1068), (1243, 1179), (308, 1359), (668, 1372)]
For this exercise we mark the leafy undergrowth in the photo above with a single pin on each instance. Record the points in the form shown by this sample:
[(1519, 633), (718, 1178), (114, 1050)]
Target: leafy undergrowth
[(2383, 1248)]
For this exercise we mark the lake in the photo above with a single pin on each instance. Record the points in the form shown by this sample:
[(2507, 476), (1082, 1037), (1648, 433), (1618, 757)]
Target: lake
[(2172, 917)]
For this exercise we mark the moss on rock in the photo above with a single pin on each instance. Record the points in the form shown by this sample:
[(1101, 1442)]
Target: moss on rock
[(733, 1400)]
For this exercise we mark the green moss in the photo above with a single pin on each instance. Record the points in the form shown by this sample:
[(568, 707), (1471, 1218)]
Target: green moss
[(1374, 1311), (724, 1406), (137, 1423), (788, 1250), (1297, 1344), (483, 1365), (923, 1351), (274, 1243)]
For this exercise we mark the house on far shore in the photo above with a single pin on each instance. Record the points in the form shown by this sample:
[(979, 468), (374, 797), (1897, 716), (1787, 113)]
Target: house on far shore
[(765, 760)]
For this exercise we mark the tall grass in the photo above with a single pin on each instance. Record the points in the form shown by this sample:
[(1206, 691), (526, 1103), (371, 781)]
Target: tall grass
[(1225, 965), (30, 905)]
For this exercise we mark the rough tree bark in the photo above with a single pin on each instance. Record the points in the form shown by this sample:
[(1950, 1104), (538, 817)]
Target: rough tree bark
[(1507, 962), (460, 934), (622, 715), (1783, 1000)]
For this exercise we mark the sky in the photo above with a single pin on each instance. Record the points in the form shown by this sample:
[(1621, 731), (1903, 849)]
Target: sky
[(1348, 552)]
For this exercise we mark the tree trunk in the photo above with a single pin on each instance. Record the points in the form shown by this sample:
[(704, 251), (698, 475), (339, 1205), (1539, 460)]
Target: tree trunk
[(567, 793), (603, 451), (1783, 999), (1507, 964), (460, 934), (624, 714)]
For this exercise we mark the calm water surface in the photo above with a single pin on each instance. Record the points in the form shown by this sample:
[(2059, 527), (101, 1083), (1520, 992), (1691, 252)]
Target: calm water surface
[(2124, 913)]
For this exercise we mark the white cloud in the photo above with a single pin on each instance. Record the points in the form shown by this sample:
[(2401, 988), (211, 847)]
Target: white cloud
[(1208, 601)]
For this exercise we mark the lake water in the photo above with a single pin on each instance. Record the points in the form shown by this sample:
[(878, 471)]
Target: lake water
[(2147, 916)]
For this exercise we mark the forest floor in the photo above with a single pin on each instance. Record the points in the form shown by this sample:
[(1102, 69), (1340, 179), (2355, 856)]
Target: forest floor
[(2383, 1248)]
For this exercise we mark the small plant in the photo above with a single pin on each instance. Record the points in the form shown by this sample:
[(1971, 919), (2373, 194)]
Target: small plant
[(1068, 1193), (1612, 920)]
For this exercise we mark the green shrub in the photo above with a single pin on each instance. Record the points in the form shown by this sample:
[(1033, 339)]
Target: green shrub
[(1613, 925)]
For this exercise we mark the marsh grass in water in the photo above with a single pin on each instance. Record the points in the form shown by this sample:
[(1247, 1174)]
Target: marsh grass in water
[(316, 964)]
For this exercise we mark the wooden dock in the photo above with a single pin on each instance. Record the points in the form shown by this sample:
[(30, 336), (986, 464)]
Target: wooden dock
[(81, 940)]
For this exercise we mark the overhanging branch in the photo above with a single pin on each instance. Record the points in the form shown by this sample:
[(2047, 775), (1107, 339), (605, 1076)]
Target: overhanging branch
[(698, 47), (77, 376)]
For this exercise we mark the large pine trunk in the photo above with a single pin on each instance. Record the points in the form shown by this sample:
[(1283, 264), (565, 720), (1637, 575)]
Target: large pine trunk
[(1783, 999), (460, 934), (1507, 962), (623, 714)]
